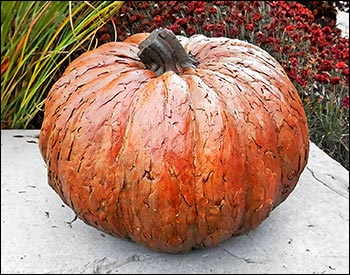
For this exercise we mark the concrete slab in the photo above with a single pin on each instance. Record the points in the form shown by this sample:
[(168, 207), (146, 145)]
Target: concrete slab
[(308, 233), (343, 22)]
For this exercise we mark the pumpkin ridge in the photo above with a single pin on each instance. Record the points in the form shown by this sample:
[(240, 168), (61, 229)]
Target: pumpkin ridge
[(137, 103), (193, 128), (226, 78), (268, 61), (78, 115), (274, 94), (203, 202), (62, 102), (298, 123), (113, 83), (184, 194)]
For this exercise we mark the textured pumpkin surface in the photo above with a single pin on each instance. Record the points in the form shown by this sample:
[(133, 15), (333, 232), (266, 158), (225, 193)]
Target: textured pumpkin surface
[(174, 161)]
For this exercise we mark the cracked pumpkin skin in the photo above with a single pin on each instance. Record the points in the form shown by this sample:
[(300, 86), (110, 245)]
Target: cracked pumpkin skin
[(179, 160)]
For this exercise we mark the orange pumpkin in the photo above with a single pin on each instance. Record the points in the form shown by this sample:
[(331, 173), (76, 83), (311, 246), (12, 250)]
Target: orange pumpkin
[(174, 142)]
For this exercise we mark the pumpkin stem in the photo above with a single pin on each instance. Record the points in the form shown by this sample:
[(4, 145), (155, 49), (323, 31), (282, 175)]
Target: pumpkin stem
[(161, 51)]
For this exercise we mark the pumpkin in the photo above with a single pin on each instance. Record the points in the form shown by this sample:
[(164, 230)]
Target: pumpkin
[(173, 142)]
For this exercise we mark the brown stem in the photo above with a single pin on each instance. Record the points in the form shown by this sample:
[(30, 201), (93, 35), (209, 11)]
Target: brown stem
[(161, 51)]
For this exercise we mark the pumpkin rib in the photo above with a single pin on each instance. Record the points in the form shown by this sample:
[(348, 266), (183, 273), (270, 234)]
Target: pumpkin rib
[(264, 58), (114, 80), (181, 85), (265, 129), (143, 176), (184, 194), (189, 238), (232, 103), (193, 129), (224, 107), (217, 48), (180, 234), (134, 101), (122, 158), (61, 102), (196, 185), (204, 180), (120, 143), (299, 119), (300, 125)]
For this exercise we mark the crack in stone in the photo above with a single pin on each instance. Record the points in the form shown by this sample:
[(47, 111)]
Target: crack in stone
[(105, 266), (325, 184), (247, 260)]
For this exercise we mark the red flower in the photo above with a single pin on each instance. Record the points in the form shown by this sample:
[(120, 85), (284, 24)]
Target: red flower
[(327, 30), (209, 27), (239, 19), (174, 28), (325, 53), (196, 6), (234, 31), (199, 10), (329, 38), (345, 54), (199, 6), (249, 27), (212, 10), (326, 65), (322, 77), (259, 35), (158, 20), (302, 82), (317, 33), (335, 80), (257, 17), (287, 49), (341, 65), (191, 30), (302, 26), (181, 21), (345, 72), (346, 101), (290, 28), (305, 73), (218, 30), (293, 61), (296, 37)]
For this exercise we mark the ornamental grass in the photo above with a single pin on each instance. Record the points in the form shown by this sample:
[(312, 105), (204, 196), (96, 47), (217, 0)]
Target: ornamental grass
[(38, 39)]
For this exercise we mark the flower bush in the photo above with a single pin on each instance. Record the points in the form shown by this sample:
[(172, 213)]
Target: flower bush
[(315, 57)]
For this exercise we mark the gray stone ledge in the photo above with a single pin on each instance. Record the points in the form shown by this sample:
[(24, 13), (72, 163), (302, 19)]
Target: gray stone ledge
[(308, 233)]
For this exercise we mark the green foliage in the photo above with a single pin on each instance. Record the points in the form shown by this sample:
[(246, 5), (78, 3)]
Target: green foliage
[(37, 37)]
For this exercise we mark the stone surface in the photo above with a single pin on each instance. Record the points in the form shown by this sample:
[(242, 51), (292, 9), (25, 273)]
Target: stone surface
[(343, 22), (308, 233)]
